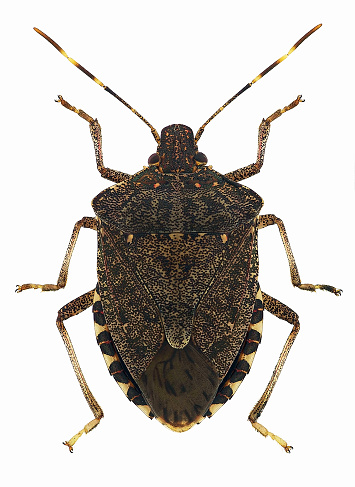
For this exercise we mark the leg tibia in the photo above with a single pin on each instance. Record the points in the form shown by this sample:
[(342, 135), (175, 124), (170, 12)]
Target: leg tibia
[(107, 173)]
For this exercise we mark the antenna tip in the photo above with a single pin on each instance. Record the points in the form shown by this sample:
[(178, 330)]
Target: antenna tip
[(39, 32)]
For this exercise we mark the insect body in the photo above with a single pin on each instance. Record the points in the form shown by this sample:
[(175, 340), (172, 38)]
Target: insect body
[(178, 308)]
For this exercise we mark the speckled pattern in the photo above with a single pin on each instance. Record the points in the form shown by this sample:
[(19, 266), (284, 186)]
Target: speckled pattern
[(159, 257), (200, 202), (177, 270)]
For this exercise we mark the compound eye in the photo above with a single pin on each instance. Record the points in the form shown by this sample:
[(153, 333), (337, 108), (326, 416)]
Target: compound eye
[(200, 158), (154, 159)]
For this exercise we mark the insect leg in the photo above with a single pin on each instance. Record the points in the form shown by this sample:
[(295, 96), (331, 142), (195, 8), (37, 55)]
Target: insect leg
[(95, 130), (287, 314), (86, 222), (264, 130), (71, 309), (265, 221)]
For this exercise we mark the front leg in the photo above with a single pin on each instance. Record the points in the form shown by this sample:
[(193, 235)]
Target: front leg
[(86, 222), (95, 130), (264, 130)]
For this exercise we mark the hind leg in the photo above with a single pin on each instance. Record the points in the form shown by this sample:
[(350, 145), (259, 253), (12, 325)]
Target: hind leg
[(287, 314), (71, 309)]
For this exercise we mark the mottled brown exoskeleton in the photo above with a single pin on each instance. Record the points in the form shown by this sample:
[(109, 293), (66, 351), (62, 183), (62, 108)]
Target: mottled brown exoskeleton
[(178, 309)]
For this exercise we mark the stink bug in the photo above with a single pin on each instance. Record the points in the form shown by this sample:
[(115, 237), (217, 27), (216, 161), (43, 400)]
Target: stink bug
[(178, 308)]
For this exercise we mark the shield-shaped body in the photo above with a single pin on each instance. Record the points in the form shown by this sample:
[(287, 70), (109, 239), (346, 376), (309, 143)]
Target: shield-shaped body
[(178, 279)]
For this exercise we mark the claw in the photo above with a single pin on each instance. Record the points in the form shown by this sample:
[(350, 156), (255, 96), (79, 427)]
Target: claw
[(66, 443)]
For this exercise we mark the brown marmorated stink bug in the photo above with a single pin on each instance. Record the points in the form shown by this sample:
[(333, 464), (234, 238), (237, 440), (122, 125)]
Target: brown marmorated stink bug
[(178, 309)]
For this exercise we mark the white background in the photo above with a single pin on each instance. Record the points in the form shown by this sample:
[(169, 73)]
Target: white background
[(177, 62)]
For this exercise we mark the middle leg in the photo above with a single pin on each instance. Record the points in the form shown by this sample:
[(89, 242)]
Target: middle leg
[(267, 220), (86, 222)]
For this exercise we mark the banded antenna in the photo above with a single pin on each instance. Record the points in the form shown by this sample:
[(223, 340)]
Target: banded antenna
[(106, 88), (263, 73), (202, 128)]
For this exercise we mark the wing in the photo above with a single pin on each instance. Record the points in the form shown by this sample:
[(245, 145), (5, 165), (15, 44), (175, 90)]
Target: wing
[(131, 314), (182, 384), (224, 313)]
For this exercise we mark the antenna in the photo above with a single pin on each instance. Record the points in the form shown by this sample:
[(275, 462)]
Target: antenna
[(263, 73), (106, 88)]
